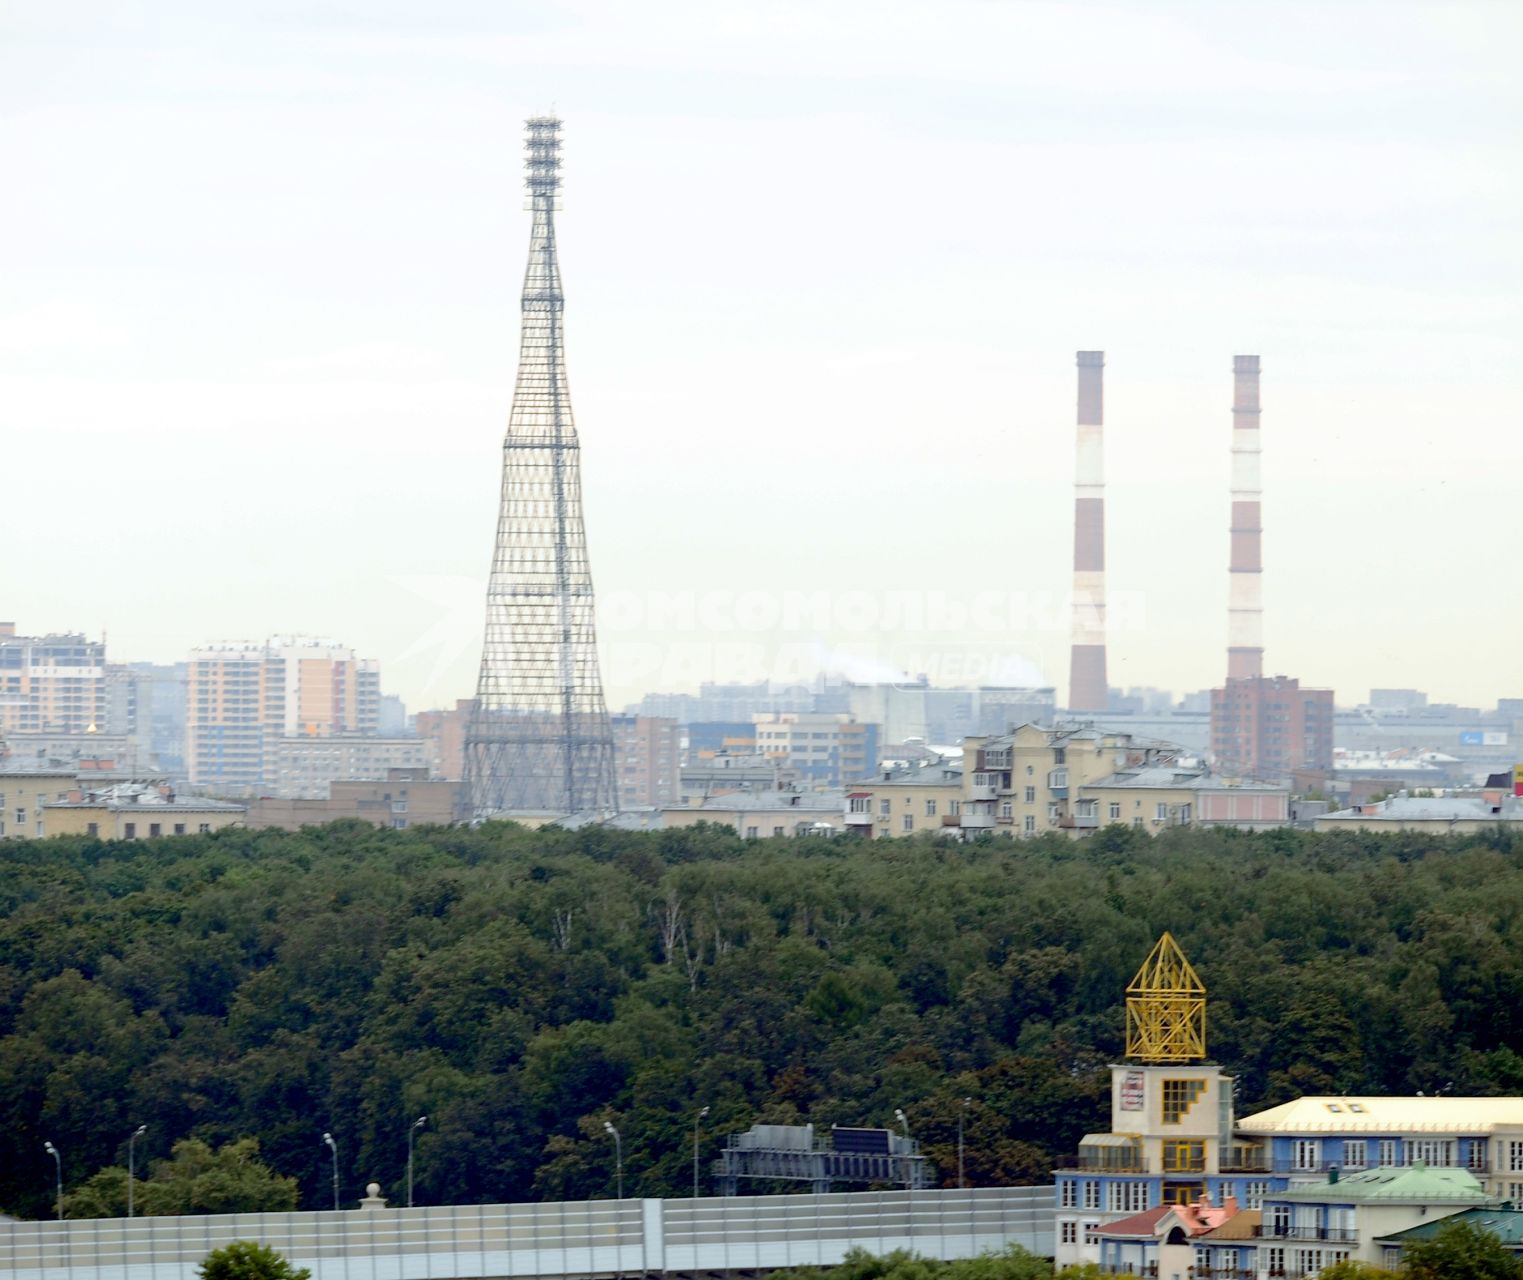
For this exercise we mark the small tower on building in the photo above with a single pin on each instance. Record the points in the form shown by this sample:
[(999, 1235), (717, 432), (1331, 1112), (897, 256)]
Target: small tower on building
[(1166, 1008)]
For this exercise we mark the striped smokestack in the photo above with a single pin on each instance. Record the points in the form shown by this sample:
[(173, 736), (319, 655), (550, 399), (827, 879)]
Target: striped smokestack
[(1245, 592), (1087, 684)]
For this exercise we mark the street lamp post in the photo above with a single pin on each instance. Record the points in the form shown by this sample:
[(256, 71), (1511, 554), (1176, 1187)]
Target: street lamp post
[(618, 1156), (696, 1121), (333, 1147), (905, 1125), (58, 1161), (961, 1115), (132, 1164), (415, 1126)]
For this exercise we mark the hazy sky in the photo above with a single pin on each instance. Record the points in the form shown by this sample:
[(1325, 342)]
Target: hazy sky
[(827, 265)]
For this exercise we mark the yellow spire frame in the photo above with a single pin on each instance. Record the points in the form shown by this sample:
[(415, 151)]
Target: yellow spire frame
[(1166, 1008)]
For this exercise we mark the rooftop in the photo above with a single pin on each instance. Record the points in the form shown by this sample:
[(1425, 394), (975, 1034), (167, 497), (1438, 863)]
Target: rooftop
[(1403, 808), (1386, 1116), (1505, 1224), (1415, 1185), (1173, 778), (931, 773)]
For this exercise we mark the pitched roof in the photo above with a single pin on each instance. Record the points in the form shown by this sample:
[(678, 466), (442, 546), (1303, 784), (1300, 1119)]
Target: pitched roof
[(1241, 1226), (1139, 1224), (1505, 1224), (1386, 1116), (1415, 1185)]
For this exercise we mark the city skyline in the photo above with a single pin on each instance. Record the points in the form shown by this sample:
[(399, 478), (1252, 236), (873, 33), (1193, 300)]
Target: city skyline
[(261, 301)]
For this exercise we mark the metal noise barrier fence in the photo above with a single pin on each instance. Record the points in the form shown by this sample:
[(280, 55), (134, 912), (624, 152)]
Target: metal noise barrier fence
[(585, 1239)]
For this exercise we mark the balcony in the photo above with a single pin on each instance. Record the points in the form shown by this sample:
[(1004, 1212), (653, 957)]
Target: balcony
[(863, 819), (977, 820), (1290, 1231), (982, 791)]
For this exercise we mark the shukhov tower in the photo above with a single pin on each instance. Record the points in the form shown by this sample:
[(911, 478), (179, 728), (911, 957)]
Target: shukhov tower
[(539, 739)]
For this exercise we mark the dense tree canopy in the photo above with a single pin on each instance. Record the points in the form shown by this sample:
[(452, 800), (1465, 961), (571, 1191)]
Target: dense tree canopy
[(522, 987), (246, 1260)]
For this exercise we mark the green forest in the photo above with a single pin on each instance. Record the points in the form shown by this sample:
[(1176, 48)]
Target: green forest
[(521, 988)]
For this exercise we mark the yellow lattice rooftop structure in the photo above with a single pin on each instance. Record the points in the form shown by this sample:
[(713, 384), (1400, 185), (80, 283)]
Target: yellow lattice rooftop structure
[(1166, 1008)]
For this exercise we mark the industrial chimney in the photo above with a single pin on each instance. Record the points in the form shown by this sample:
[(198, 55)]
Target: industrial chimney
[(1087, 682), (1245, 593)]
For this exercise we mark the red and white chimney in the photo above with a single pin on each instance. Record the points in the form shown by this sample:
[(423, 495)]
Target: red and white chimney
[(1088, 687), (1245, 580)]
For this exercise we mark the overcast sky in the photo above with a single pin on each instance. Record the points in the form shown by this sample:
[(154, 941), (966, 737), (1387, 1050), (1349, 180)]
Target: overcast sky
[(827, 265)]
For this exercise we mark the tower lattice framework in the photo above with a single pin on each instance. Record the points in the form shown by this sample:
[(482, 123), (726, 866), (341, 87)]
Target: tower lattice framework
[(539, 739), (1166, 1008)]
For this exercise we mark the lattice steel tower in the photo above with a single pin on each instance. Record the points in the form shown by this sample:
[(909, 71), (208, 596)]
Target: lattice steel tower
[(539, 739)]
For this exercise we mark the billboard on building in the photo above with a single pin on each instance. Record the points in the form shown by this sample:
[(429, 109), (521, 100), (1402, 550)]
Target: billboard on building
[(1132, 1091), (1483, 738), (1517, 779)]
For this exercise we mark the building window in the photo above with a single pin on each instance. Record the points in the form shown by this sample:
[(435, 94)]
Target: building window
[(1515, 1156), (1308, 1153), (1030, 795), (153, 829), (908, 822), (954, 808), (1161, 811), (1068, 1194), (930, 808), (21, 817), (1091, 1230), (1029, 826), (204, 828), (885, 807), (1253, 1194), (777, 831), (1178, 1097), (179, 828), (399, 824), (129, 832), (1279, 1220), (1115, 810), (1136, 822), (92, 828), (1437, 1153), (1184, 1155), (1389, 1150), (1069, 1232), (1354, 1152), (1005, 810), (750, 833), (1091, 1194), (1476, 1157), (1274, 1260)]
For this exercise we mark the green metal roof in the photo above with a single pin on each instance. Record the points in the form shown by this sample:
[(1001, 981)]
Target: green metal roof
[(1415, 1185), (1505, 1224)]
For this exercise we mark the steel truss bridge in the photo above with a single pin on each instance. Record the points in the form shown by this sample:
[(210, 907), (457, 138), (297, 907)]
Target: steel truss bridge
[(590, 1239)]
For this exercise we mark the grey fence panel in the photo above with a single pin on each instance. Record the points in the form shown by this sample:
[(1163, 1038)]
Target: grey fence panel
[(549, 1241)]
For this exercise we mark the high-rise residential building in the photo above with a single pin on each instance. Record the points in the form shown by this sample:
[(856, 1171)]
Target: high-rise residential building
[(51, 684), (244, 698), (305, 766), (646, 760), (1267, 726), (825, 749), (446, 730)]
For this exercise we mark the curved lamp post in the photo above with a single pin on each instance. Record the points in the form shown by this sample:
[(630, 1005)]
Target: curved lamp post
[(333, 1146), (58, 1161), (131, 1164), (697, 1120)]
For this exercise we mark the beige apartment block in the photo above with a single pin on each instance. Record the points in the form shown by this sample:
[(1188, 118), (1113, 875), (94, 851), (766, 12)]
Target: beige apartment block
[(919, 799), (22, 796), (404, 798), (133, 811)]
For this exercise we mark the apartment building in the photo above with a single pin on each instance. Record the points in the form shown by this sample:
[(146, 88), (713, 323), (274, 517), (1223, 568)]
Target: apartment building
[(906, 801), (51, 684), (647, 751), (137, 811), (305, 767), (403, 798), (825, 748), (22, 795), (244, 698), (1269, 726)]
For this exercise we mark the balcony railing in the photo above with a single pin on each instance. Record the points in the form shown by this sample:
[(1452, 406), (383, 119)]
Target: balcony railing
[(1269, 1231)]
